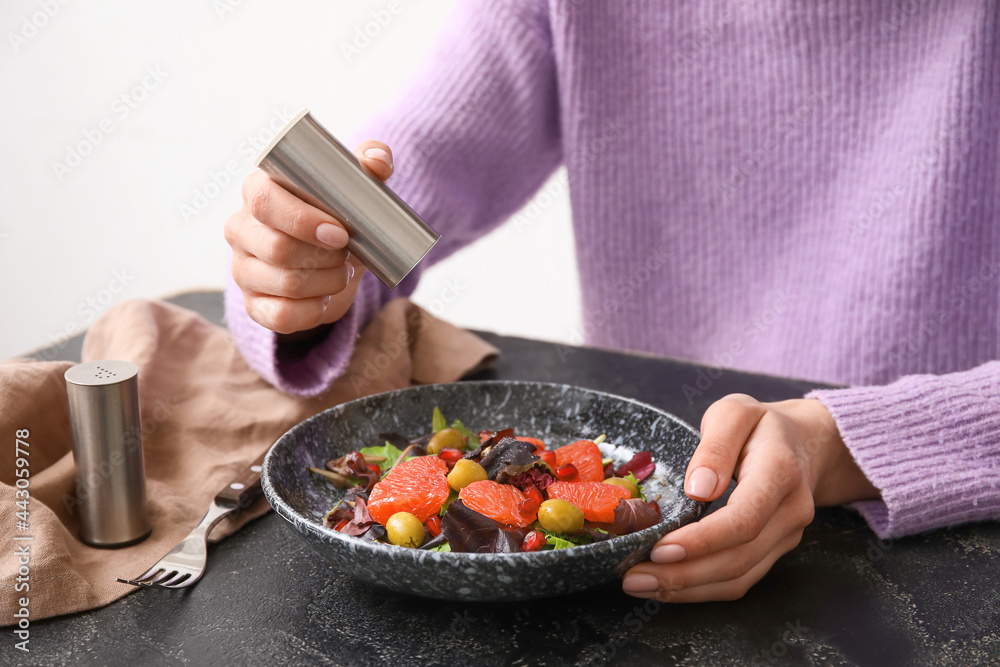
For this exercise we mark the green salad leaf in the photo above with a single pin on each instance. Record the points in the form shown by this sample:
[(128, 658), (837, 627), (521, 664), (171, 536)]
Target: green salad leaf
[(438, 422), (631, 477), (442, 547), (452, 496), (471, 440), (557, 542), (389, 451)]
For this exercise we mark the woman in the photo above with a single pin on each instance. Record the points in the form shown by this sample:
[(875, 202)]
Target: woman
[(811, 193)]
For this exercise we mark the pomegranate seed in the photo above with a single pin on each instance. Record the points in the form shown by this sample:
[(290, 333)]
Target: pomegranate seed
[(548, 456), (433, 526), (374, 468), (341, 524), (533, 501), (533, 541), (567, 473), (450, 455)]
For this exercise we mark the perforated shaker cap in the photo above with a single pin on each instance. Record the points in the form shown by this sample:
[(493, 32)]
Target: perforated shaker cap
[(100, 373)]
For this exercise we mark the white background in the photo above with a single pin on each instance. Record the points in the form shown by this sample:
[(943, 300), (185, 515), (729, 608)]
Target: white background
[(111, 226)]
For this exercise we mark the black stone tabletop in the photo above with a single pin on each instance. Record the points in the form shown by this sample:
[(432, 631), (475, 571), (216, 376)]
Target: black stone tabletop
[(843, 597)]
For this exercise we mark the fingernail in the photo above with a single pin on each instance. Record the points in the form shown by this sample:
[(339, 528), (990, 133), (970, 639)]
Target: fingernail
[(640, 583), (331, 235), (350, 272), (702, 483), (380, 155), (347, 256), (326, 300), (668, 553)]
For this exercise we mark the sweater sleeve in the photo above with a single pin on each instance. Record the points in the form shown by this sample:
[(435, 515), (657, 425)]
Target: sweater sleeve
[(474, 134), (930, 444)]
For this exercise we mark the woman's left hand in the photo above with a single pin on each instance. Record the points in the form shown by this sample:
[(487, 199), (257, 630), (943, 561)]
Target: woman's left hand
[(788, 458)]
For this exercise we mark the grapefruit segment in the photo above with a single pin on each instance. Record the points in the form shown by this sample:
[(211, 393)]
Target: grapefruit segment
[(596, 499), (500, 502), (585, 456), (418, 486)]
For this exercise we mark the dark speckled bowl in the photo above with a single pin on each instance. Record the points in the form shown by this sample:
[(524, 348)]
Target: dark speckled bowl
[(558, 414)]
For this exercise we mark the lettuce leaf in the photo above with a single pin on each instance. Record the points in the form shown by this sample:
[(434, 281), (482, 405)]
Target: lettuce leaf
[(641, 464), (632, 515), (558, 542), (471, 439), (389, 451), (507, 458), (631, 477), (471, 532), (442, 547), (438, 422)]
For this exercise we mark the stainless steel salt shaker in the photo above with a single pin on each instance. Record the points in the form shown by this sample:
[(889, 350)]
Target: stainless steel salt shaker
[(107, 446), (385, 233)]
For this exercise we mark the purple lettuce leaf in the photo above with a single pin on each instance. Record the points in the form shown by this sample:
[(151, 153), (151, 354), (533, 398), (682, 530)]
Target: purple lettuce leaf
[(469, 531), (362, 523), (641, 466), (633, 514), (353, 466), (507, 458), (485, 446)]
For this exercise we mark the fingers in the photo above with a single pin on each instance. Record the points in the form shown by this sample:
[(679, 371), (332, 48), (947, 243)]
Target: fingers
[(257, 276), (735, 561), (282, 315), (274, 206), (280, 249), (727, 589), (376, 157), (769, 478), (725, 428)]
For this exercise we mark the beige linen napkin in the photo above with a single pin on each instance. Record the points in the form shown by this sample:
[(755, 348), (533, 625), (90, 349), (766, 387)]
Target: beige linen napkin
[(206, 416)]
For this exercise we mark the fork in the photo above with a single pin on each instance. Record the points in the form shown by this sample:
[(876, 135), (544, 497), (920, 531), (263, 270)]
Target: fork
[(185, 564)]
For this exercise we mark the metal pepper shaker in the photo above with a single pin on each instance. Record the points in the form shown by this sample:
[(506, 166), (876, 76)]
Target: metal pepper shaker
[(107, 447), (385, 233)]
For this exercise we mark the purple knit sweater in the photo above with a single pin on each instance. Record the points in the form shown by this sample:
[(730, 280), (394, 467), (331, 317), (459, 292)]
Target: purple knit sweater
[(802, 189)]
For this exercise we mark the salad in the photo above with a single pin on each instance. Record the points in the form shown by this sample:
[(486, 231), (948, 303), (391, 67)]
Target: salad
[(491, 492)]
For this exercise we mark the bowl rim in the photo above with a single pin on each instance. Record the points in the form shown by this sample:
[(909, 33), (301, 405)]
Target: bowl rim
[(362, 547)]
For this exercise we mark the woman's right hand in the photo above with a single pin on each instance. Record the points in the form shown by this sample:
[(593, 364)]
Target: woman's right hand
[(290, 258)]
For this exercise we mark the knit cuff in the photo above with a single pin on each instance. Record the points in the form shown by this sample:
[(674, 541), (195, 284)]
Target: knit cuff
[(312, 374), (929, 444)]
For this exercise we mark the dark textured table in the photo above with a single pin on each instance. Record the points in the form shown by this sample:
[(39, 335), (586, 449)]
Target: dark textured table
[(841, 598)]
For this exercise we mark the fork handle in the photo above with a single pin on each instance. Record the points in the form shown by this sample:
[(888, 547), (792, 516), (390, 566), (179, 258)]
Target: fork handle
[(245, 489)]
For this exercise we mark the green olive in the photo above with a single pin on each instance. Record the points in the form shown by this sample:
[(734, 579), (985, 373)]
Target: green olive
[(405, 530), (625, 484), (446, 437), (560, 516), (464, 473)]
